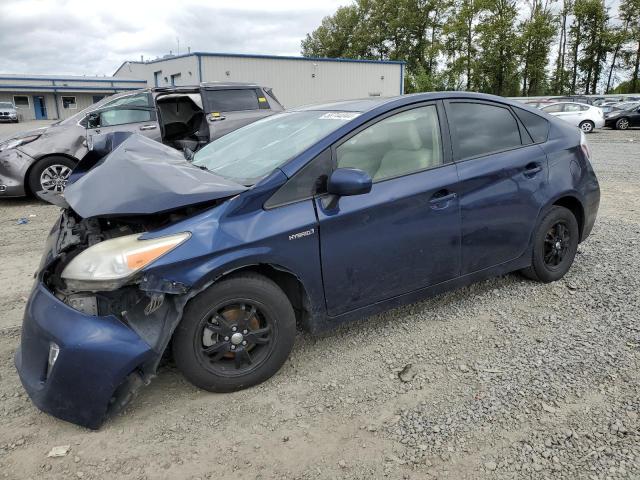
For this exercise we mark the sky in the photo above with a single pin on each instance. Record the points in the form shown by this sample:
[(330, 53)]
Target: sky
[(93, 37)]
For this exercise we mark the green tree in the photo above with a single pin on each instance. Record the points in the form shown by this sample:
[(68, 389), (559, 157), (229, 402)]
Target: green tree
[(560, 82), (630, 10), (498, 41), (536, 37), (335, 36), (461, 44)]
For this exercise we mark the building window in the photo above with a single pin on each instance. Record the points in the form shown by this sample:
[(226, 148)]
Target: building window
[(97, 98), (156, 77), (69, 103), (175, 79), (21, 100)]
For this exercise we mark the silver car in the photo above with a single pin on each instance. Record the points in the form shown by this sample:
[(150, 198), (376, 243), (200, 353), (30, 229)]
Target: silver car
[(8, 112), (185, 118)]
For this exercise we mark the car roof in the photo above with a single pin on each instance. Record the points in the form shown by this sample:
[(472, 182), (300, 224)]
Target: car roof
[(206, 86), (366, 104)]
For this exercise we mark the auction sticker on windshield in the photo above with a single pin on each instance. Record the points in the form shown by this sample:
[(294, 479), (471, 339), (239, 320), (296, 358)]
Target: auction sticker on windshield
[(339, 116)]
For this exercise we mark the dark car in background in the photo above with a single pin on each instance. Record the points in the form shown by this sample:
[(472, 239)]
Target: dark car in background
[(310, 217), (180, 117), (623, 119)]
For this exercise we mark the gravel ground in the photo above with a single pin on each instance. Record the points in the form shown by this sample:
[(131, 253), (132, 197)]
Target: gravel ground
[(504, 379)]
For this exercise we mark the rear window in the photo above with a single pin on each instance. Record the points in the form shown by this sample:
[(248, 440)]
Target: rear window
[(482, 129), (537, 126), (230, 100)]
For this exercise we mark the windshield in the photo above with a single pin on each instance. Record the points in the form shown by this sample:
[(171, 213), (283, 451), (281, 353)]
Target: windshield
[(251, 152), (6, 105)]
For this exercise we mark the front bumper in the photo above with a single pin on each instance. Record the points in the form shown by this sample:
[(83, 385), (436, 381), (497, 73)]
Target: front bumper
[(97, 354), (13, 170)]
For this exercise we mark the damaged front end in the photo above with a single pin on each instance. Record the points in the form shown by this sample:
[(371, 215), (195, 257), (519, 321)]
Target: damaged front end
[(88, 345), (99, 319)]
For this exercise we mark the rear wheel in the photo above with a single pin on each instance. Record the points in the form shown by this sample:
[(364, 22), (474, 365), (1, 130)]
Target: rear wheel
[(554, 246), (622, 124), (587, 126), (50, 174), (235, 334)]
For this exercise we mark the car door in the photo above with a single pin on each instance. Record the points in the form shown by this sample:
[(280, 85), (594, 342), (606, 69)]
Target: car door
[(228, 109), (132, 113), (574, 113), (502, 172), (405, 233)]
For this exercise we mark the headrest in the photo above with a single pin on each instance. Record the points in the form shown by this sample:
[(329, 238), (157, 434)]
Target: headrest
[(404, 135)]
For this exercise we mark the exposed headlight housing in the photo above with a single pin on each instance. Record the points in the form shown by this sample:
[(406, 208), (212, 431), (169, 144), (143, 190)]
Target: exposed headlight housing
[(110, 264), (17, 142)]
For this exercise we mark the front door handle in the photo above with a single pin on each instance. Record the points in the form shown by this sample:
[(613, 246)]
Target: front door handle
[(532, 169), (148, 127), (441, 199)]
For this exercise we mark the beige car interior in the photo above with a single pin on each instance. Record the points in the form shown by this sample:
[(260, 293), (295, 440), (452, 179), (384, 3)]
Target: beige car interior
[(398, 145)]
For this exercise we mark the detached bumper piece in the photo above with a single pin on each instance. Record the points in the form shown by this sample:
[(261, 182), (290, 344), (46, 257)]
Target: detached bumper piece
[(72, 364)]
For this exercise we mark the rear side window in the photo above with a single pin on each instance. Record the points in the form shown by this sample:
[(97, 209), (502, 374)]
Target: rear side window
[(230, 100), (537, 126), (555, 108), (481, 129)]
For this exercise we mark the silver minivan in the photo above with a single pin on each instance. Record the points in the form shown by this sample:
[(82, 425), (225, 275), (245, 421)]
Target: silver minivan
[(185, 118)]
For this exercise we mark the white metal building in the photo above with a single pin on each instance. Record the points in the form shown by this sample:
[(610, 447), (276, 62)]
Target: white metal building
[(295, 80), (41, 97)]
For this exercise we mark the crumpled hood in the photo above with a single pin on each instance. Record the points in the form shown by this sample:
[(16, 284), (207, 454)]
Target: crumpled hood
[(142, 176)]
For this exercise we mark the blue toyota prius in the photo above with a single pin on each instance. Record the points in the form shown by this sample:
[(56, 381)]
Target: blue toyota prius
[(307, 218)]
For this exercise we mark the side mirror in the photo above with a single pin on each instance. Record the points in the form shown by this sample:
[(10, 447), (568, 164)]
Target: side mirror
[(349, 181), (93, 120)]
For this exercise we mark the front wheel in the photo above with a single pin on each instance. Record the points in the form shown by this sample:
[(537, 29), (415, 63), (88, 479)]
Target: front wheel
[(622, 124), (235, 334), (587, 126), (50, 174), (554, 246)]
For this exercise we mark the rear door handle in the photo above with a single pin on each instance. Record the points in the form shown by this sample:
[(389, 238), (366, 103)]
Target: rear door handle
[(532, 169), (441, 199), (148, 127)]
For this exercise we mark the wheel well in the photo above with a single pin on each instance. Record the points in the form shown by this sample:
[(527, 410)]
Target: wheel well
[(27, 189), (574, 205), (290, 285)]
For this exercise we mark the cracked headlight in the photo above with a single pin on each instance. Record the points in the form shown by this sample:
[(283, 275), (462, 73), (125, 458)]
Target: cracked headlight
[(110, 264), (17, 142)]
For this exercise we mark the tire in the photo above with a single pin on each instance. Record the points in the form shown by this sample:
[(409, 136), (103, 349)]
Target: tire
[(587, 126), (545, 266), (204, 339), (61, 165), (622, 124)]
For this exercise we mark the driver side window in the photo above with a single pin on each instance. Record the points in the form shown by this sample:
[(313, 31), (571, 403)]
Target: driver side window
[(401, 144), (116, 112), (122, 116)]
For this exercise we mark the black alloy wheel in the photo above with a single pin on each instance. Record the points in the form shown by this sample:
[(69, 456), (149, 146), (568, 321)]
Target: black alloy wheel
[(555, 244), (234, 338), (235, 334)]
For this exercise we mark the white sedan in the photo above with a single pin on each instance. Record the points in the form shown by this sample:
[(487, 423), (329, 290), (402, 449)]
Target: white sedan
[(584, 116)]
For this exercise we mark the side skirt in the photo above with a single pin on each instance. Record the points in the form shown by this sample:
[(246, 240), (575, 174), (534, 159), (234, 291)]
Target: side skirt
[(318, 324)]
